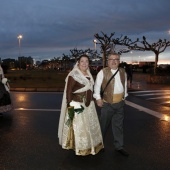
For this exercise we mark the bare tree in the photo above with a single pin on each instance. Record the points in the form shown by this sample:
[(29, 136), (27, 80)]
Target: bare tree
[(125, 41), (108, 43), (157, 48), (76, 53), (144, 45), (105, 42), (66, 60)]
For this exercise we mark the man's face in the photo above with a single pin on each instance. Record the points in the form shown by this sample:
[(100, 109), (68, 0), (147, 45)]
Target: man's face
[(113, 61)]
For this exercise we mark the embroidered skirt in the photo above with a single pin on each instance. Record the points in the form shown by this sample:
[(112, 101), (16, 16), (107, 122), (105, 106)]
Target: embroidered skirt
[(84, 135)]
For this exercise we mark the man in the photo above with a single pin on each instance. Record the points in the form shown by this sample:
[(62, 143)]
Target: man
[(112, 103)]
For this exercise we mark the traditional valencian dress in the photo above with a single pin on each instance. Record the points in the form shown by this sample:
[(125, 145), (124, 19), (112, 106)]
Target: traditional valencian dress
[(84, 134), (5, 100)]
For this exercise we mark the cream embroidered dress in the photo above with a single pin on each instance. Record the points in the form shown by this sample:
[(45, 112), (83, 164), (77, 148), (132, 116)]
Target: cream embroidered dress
[(84, 134)]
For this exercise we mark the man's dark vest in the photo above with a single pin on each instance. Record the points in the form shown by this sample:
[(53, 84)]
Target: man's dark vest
[(108, 93)]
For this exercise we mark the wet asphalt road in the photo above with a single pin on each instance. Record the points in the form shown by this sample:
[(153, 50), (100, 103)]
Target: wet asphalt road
[(28, 138)]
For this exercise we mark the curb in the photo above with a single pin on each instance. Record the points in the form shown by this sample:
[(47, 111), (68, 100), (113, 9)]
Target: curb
[(37, 89), (43, 89)]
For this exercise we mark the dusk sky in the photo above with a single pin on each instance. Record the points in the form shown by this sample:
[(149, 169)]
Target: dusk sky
[(53, 27)]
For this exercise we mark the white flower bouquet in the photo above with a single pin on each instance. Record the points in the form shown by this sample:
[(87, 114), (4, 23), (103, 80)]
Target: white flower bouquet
[(78, 108)]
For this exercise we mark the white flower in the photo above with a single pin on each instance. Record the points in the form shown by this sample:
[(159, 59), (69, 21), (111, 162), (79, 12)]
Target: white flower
[(75, 104), (4, 80)]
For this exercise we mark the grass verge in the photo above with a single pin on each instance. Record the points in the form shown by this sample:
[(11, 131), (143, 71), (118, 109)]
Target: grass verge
[(36, 78)]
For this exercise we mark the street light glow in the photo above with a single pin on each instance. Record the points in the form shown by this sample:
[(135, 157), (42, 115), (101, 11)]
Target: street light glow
[(19, 37), (95, 41)]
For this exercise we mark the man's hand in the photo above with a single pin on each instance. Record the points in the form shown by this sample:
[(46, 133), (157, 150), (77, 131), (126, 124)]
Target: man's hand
[(99, 102)]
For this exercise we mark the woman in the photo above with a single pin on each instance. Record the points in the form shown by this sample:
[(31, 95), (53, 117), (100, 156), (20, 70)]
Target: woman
[(84, 133), (5, 100)]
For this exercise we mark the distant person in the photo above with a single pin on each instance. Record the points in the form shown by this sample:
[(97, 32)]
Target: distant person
[(5, 100), (113, 101), (129, 71), (79, 127)]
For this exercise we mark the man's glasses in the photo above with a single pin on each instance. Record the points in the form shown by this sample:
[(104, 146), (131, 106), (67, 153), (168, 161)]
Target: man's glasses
[(114, 60)]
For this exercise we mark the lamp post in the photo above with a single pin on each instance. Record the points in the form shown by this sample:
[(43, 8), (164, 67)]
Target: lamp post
[(95, 42), (19, 44)]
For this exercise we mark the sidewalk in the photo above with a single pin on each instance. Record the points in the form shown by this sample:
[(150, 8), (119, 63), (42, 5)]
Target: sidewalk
[(139, 83)]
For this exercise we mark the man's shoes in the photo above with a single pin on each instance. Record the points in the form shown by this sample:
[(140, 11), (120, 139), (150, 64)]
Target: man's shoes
[(123, 152)]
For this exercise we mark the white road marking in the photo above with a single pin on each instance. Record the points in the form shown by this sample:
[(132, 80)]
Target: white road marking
[(162, 97), (148, 91), (151, 112), (140, 108), (152, 94), (162, 94)]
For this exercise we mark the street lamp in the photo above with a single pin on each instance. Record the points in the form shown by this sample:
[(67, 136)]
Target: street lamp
[(19, 44), (95, 42)]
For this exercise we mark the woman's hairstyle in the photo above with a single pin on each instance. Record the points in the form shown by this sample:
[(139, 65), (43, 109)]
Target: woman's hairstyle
[(83, 55)]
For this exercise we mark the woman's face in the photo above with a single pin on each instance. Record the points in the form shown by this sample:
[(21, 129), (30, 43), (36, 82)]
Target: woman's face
[(83, 63)]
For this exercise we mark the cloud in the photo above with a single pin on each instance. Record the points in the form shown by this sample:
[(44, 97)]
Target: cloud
[(53, 27)]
